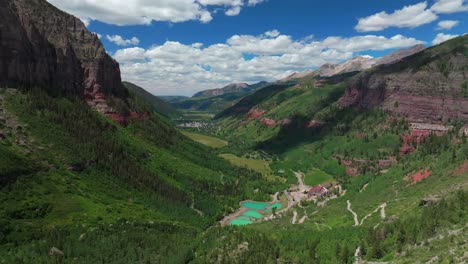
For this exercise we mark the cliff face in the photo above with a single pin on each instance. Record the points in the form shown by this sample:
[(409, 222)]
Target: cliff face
[(43, 46), (430, 86)]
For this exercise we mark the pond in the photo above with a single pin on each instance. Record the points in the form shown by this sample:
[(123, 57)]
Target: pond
[(257, 211)]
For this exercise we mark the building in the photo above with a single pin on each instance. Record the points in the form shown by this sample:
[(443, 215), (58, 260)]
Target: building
[(317, 191)]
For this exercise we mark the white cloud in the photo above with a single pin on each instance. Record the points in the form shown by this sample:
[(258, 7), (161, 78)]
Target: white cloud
[(441, 37), (272, 33), (120, 41), (221, 2), (143, 12), (176, 68), (130, 55), (408, 17), (86, 21), (255, 2), (234, 11), (449, 6), (447, 24)]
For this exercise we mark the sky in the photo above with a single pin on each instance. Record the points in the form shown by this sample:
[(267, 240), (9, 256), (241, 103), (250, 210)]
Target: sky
[(179, 47)]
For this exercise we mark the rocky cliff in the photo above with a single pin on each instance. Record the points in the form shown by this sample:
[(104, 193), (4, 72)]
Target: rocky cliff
[(43, 46), (430, 86)]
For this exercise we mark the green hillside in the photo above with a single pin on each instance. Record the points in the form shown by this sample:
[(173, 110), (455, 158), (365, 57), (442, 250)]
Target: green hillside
[(153, 185), (301, 127), (363, 167), (216, 104), (158, 105)]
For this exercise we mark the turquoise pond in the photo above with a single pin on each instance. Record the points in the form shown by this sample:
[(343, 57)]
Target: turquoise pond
[(258, 210), (260, 206)]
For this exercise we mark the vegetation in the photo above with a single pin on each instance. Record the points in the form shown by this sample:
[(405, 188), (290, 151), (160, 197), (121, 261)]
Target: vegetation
[(157, 104), (316, 177), (142, 180), (206, 140), (253, 164)]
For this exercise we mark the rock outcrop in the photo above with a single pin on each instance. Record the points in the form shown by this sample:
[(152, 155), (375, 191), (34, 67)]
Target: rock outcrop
[(43, 46), (400, 54), (427, 87)]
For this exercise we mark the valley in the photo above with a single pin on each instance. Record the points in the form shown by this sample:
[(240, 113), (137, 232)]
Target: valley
[(364, 160)]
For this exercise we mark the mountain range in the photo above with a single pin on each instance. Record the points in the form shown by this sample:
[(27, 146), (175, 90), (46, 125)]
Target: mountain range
[(361, 162)]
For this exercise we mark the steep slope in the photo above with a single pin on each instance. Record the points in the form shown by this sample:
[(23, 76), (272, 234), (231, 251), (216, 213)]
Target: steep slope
[(356, 64), (43, 46), (216, 104), (391, 206), (78, 187), (231, 88), (427, 87), (172, 98), (157, 103), (400, 54)]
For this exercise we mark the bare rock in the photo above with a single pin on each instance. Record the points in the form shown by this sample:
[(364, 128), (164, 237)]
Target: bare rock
[(55, 252), (424, 88), (43, 46)]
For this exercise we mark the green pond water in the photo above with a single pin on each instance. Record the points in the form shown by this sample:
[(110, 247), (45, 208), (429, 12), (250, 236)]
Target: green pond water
[(257, 208), (237, 222), (253, 214), (254, 205)]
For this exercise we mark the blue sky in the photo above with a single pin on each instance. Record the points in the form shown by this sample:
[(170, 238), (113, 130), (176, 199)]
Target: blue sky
[(179, 47)]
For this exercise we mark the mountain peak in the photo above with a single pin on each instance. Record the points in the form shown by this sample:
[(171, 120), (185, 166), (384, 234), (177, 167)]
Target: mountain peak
[(230, 88)]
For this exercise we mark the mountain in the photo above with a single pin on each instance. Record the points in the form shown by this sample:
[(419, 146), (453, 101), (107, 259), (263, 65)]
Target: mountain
[(157, 103), (427, 87), (400, 54), (393, 136), (356, 64), (215, 104), (88, 173), (43, 46), (358, 167), (231, 88), (171, 98)]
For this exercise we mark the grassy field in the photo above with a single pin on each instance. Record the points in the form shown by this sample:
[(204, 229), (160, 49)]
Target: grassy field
[(198, 115), (316, 176), (206, 140), (253, 164)]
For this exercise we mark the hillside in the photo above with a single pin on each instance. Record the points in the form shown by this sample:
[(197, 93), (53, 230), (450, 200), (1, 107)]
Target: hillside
[(215, 101), (357, 64), (157, 103), (403, 176), (89, 171), (171, 98), (366, 162), (231, 88), (428, 87)]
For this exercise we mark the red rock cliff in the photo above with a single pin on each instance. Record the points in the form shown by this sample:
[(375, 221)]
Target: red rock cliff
[(430, 86), (43, 46)]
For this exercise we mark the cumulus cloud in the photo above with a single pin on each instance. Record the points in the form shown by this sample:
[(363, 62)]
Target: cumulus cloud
[(234, 11), (272, 33), (450, 6), (441, 37), (408, 17), (143, 12), (255, 2), (176, 68), (120, 41), (447, 24)]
